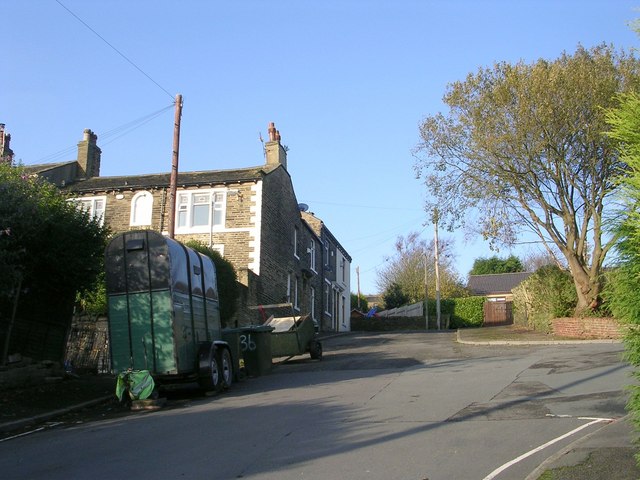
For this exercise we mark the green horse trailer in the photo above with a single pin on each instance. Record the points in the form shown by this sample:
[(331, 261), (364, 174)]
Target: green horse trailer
[(164, 314)]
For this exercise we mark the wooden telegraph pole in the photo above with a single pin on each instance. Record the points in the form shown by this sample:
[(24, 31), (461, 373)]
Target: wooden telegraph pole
[(426, 295), (358, 276), (173, 182)]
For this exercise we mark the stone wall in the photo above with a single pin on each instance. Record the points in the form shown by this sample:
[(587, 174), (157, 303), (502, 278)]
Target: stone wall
[(23, 372), (588, 328), (261, 217), (281, 223)]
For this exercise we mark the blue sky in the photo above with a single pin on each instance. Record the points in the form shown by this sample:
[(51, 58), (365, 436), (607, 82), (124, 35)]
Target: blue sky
[(347, 83)]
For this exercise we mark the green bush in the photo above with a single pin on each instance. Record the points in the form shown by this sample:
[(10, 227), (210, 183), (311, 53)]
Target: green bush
[(49, 250), (623, 285), (621, 296), (467, 312), (93, 300), (547, 294), (228, 289)]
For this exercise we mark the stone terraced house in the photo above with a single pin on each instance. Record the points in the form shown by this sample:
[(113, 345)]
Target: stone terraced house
[(281, 252)]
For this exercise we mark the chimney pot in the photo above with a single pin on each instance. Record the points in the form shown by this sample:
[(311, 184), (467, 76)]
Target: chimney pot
[(272, 132), (274, 151)]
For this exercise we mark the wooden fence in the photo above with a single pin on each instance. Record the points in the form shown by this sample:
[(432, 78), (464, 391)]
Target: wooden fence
[(88, 345)]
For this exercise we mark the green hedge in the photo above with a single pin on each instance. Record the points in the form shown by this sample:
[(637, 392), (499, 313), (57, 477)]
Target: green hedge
[(468, 312), (547, 294)]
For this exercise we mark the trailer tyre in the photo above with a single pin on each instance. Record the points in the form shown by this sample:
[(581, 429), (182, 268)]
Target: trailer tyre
[(209, 370), (315, 350), (226, 367)]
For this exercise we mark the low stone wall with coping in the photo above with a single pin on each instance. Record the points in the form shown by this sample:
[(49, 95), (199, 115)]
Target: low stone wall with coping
[(588, 328)]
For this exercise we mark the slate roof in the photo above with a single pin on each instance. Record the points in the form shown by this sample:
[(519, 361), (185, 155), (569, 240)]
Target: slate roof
[(45, 167), (160, 180), (495, 284)]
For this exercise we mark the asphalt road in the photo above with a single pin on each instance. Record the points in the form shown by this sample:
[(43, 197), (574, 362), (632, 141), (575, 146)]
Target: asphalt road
[(411, 406)]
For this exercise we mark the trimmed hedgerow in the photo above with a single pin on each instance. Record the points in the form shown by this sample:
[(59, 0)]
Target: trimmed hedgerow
[(467, 312)]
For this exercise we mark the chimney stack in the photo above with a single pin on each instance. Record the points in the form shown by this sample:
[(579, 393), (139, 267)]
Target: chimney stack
[(88, 156), (274, 151), (6, 154)]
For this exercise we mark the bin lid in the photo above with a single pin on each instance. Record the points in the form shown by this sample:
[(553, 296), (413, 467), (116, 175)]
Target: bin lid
[(256, 328), (282, 324)]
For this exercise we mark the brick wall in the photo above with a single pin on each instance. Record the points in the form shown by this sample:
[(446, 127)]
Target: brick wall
[(587, 328)]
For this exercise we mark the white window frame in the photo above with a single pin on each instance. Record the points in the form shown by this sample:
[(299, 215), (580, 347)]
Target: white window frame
[(312, 255), (328, 300), (141, 209), (185, 210), (327, 262), (296, 285), (312, 296), (289, 288), (91, 205)]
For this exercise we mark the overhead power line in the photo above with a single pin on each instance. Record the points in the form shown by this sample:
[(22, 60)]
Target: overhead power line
[(110, 135), (376, 207), (127, 128), (114, 48)]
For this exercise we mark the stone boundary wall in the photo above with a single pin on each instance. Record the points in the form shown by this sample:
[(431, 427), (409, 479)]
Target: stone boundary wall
[(24, 374), (587, 328)]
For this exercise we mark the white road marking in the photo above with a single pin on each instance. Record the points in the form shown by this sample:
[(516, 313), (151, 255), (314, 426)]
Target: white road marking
[(49, 425), (22, 434), (501, 469)]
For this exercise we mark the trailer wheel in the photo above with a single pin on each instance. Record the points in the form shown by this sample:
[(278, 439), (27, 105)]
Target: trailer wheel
[(209, 371), (315, 350), (226, 367)]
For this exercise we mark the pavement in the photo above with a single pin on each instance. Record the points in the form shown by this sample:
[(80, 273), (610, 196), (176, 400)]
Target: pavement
[(607, 453)]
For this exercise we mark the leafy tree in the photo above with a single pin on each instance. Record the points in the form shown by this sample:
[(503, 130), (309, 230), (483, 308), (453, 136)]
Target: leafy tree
[(394, 297), (49, 249), (228, 290), (485, 266), (364, 305), (534, 260), (406, 269), (624, 281), (522, 147)]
